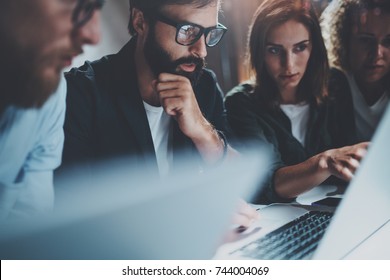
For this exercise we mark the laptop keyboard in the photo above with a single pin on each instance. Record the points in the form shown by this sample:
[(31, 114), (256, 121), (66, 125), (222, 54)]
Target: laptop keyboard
[(293, 241)]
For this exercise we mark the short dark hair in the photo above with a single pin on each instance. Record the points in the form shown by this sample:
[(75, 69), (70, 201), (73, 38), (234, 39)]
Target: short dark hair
[(151, 7), (271, 13), (337, 22)]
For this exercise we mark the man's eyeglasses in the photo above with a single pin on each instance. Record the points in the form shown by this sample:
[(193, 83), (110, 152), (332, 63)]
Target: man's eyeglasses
[(188, 33), (84, 11)]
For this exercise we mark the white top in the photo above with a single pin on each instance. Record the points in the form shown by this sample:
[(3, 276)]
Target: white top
[(366, 117), (160, 123), (299, 117)]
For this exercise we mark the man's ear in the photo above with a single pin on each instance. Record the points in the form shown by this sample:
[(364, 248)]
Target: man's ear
[(139, 22)]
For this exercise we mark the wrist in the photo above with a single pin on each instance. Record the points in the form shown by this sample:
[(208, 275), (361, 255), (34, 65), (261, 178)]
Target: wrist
[(224, 142), (212, 144), (204, 133), (322, 165)]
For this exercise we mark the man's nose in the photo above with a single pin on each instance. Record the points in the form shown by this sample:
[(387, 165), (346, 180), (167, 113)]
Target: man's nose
[(90, 32), (199, 47)]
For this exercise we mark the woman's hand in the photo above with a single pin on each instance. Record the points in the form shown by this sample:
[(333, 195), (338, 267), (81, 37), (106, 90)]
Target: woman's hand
[(343, 162)]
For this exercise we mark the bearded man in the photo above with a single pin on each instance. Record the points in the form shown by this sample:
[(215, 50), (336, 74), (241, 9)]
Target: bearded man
[(38, 39)]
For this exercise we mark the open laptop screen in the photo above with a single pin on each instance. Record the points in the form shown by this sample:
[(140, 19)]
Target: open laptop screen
[(365, 207)]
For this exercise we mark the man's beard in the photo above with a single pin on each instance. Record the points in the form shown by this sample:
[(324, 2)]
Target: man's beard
[(160, 61), (22, 78)]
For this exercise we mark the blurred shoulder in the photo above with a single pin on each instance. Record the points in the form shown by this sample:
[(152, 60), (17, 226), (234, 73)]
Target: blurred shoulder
[(241, 91)]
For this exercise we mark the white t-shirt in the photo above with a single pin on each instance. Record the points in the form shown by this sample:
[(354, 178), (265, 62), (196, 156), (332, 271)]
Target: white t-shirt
[(299, 117), (160, 128), (366, 117)]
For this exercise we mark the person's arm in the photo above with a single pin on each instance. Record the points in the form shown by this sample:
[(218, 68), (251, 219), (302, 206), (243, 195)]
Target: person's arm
[(33, 191), (292, 181), (178, 100), (253, 132)]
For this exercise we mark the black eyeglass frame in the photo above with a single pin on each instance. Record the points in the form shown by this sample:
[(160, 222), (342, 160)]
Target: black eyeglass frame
[(89, 7), (202, 30)]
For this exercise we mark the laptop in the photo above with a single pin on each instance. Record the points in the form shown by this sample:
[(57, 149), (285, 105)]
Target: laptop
[(124, 213), (359, 228)]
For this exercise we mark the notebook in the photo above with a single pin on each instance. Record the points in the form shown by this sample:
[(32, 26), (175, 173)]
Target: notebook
[(359, 228), (124, 213)]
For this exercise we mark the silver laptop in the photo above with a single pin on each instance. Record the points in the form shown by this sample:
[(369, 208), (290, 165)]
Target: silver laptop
[(358, 229), (364, 214), (124, 213)]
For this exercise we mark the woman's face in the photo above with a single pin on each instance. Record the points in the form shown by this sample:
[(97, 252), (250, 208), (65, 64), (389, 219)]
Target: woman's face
[(369, 53), (287, 52)]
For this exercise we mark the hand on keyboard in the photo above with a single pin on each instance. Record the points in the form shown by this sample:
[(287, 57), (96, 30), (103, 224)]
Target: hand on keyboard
[(245, 215)]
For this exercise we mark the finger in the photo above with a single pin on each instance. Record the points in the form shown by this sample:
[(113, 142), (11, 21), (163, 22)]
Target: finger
[(346, 174), (352, 164), (341, 171), (172, 105), (336, 166), (247, 210), (364, 145), (241, 220), (180, 91), (359, 153), (162, 86), (167, 77), (245, 214)]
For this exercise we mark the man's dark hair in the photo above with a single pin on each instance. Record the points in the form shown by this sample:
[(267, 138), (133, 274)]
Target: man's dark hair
[(151, 7)]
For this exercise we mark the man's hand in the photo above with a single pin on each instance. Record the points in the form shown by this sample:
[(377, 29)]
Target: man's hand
[(245, 215), (178, 100)]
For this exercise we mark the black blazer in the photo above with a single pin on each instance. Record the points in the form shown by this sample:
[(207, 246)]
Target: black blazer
[(106, 118)]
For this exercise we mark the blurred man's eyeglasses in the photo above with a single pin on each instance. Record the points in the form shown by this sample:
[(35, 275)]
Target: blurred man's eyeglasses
[(188, 33), (84, 11)]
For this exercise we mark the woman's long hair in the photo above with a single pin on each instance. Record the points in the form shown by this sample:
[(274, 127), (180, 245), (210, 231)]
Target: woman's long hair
[(313, 86), (337, 22)]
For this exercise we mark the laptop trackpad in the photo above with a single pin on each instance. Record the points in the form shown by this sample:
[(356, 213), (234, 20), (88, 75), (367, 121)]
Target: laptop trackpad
[(275, 216), (282, 212)]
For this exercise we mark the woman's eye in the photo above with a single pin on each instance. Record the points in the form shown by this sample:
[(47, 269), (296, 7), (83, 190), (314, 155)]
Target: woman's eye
[(273, 50), (386, 42), (366, 41), (300, 48)]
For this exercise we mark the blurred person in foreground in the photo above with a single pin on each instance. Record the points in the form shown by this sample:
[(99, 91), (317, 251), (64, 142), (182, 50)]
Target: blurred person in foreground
[(38, 39), (357, 36), (287, 105), (154, 99)]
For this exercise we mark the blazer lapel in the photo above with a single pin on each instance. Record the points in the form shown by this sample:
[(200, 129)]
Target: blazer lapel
[(129, 100)]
